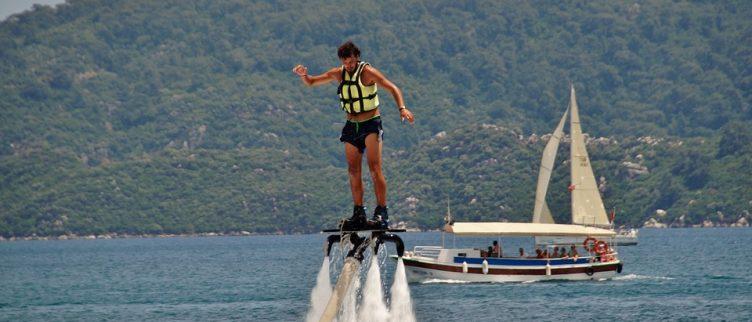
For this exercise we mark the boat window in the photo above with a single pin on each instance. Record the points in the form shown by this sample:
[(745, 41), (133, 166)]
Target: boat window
[(461, 254)]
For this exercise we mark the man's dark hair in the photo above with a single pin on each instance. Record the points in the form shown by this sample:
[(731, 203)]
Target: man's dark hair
[(348, 49)]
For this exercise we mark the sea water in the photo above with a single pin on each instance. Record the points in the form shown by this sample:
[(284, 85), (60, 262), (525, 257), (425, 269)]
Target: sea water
[(674, 274)]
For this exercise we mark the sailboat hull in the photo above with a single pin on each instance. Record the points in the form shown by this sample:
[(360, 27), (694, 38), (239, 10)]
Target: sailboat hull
[(626, 237)]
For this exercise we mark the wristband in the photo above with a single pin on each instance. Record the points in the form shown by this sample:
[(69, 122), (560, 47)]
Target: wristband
[(402, 108)]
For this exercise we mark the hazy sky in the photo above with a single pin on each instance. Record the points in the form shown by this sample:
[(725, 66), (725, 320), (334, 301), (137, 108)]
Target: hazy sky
[(9, 7)]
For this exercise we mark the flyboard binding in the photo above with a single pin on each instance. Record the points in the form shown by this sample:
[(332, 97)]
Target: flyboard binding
[(376, 233), (334, 230)]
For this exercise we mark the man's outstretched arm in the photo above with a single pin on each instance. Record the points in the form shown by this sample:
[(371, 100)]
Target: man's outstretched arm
[(382, 81), (321, 79)]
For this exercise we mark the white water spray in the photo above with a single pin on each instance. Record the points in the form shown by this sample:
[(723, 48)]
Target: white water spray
[(320, 293), (373, 308), (401, 303), (355, 298)]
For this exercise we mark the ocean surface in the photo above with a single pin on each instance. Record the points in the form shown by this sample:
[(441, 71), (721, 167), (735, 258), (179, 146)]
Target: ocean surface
[(673, 274)]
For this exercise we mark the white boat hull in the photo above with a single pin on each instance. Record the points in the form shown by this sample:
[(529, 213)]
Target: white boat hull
[(625, 241), (422, 275), (626, 237), (449, 268)]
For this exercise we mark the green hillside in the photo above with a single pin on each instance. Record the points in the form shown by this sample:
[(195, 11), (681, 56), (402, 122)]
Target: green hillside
[(489, 173), (183, 116)]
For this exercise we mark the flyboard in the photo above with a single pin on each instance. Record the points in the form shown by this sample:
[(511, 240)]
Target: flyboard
[(361, 237)]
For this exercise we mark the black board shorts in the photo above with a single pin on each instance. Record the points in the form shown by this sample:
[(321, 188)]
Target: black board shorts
[(355, 133)]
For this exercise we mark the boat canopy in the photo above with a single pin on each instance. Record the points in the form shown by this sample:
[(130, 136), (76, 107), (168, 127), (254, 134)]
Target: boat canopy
[(525, 229)]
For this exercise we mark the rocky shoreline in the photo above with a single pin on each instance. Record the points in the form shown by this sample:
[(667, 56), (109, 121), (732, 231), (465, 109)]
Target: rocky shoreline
[(123, 236), (71, 236), (651, 223), (680, 222)]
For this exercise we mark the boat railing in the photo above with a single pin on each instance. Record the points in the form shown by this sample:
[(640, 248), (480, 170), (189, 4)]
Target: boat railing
[(427, 251), (533, 261)]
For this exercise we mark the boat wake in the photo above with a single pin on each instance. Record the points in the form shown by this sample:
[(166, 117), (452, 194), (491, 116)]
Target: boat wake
[(443, 281), (630, 277)]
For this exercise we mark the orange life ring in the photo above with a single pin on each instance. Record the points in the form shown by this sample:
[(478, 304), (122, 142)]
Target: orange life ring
[(587, 245), (601, 247)]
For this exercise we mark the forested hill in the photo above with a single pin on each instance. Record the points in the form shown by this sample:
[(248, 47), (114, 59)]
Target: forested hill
[(183, 116)]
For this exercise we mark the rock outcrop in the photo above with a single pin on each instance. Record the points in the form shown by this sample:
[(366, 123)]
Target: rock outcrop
[(634, 169), (653, 223)]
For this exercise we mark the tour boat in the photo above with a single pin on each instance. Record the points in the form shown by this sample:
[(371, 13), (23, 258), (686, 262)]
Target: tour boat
[(436, 263)]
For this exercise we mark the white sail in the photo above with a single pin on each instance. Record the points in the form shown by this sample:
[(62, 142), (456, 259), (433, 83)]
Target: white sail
[(587, 206), (541, 212), (546, 216)]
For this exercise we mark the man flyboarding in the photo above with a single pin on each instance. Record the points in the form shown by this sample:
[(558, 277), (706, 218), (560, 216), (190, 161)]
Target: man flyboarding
[(362, 133)]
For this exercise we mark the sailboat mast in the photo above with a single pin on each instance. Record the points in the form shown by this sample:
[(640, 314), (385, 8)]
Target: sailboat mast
[(447, 221)]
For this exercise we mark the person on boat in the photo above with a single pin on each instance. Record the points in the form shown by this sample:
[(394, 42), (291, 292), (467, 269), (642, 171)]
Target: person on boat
[(555, 253), (538, 253), (545, 253), (563, 253), (573, 252), (522, 252), (362, 133), (496, 250), (487, 253)]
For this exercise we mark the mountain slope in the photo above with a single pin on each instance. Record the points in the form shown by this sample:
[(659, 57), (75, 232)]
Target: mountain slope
[(95, 92)]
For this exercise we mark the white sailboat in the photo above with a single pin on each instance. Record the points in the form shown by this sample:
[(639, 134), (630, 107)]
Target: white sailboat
[(626, 237), (587, 205), (589, 224)]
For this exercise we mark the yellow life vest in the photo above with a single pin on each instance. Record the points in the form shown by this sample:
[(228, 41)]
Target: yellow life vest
[(354, 97)]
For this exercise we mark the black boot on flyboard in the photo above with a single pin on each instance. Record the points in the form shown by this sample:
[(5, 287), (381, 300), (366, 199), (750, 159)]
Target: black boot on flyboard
[(380, 218), (359, 222), (356, 222)]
